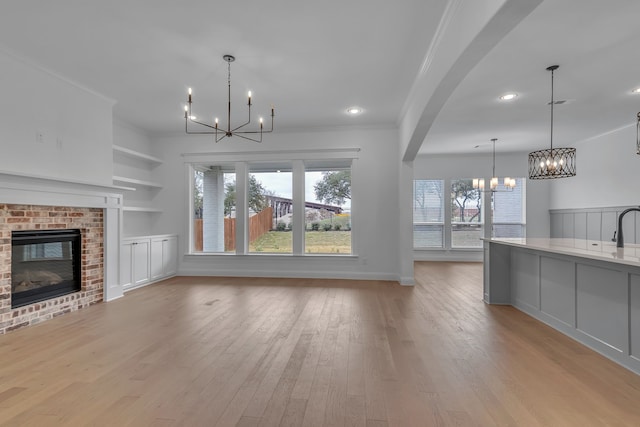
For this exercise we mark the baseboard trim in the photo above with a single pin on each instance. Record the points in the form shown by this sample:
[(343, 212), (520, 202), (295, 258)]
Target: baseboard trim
[(291, 274)]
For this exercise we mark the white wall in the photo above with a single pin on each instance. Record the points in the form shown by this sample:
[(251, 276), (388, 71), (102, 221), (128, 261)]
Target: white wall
[(374, 205), (607, 174), (74, 122), (479, 166)]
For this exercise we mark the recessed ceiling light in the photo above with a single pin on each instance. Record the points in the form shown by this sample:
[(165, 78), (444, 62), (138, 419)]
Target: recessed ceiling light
[(636, 90), (508, 96), (354, 110)]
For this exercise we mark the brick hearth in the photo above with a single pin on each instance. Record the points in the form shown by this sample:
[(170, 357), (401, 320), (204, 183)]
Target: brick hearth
[(31, 217)]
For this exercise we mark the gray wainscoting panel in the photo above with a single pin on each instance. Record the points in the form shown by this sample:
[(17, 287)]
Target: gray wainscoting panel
[(629, 227), (594, 223), (580, 225), (558, 289), (608, 225), (556, 224), (525, 278), (602, 307), (634, 315), (568, 226)]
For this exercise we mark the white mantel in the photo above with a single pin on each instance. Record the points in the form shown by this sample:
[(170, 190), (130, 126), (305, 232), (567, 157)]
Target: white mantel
[(39, 190)]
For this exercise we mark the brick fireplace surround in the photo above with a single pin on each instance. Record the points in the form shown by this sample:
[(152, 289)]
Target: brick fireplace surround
[(90, 221)]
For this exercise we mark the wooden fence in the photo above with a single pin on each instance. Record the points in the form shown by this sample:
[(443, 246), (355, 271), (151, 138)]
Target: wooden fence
[(259, 224)]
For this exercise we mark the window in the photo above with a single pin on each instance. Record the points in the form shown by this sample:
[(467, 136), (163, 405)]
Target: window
[(466, 215), (428, 213), (327, 213), (214, 208), (270, 205), (508, 214), (269, 202)]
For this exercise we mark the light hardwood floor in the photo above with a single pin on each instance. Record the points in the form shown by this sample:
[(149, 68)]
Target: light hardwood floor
[(296, 352)]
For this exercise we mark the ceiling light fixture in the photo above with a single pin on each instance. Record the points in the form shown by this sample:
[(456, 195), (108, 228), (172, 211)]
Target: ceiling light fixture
[(553, 162), (508, 183), (354, 110), (219, 132), (508, 96)]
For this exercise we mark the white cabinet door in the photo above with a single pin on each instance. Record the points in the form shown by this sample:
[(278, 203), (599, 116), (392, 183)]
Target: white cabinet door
[(170, 255), (157, 270), (141, 270), (126, 265), (164, 257)]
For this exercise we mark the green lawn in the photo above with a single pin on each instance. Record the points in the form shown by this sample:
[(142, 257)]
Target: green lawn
[(316, 242)]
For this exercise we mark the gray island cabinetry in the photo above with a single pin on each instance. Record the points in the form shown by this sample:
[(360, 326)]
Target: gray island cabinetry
[(588, 290)]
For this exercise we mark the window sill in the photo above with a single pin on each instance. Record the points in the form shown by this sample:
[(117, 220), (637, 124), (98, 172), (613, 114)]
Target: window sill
[(269, 255)]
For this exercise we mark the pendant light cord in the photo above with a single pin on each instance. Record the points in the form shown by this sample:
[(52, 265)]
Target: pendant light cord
[(494, 157), (552, 70)]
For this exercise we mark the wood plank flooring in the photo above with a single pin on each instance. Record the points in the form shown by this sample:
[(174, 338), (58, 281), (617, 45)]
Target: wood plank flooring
[(198, 351)]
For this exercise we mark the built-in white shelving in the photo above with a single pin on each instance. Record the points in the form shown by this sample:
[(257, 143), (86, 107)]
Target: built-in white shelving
[(154, 161), (66, 181), (137, 182), (135, 169), (141, 209)]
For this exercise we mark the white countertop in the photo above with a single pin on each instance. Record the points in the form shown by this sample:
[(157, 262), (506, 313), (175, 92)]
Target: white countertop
[(593, 249)]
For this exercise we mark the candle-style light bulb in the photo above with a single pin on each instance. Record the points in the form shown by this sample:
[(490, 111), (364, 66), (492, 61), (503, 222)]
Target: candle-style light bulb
[(186, 111), (216, 121), (189, 95), (261, 123), (249, 95)]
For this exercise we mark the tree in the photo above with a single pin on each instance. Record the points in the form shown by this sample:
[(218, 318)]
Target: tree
[(335, 187), (463, 192), (257, 193)]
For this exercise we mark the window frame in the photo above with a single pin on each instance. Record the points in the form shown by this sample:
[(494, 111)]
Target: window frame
[(242, 163)]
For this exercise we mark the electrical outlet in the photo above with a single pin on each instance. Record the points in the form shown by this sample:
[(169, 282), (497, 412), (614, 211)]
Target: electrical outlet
[(39, 137)]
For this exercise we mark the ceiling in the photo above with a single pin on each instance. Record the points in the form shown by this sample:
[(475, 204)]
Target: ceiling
[(312, 60), (595, 44)]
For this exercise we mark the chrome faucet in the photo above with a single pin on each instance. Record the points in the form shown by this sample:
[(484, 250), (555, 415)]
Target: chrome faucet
[(620, 240)]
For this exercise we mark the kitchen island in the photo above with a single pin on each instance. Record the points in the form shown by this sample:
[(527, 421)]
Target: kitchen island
[(588, 290)]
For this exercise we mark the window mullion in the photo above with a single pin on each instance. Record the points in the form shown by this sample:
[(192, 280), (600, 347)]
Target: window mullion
[(242, 212), (298, 220)]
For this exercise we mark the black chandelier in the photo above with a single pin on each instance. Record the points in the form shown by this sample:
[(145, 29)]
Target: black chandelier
[(553, 162), (220, 132)]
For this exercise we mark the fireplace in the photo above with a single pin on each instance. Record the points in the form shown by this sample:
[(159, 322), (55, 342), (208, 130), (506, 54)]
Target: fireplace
[(44, 264)]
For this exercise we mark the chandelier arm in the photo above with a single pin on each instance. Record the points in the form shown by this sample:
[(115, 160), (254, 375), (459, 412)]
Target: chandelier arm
[(200, 133), (224, 135), (247, 138), (203, 124), (240, 127), (247, 122)]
